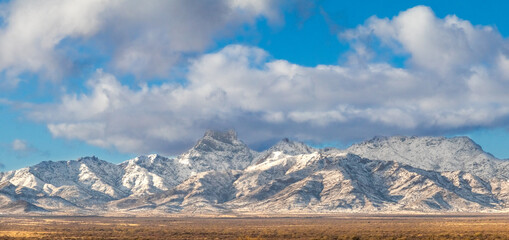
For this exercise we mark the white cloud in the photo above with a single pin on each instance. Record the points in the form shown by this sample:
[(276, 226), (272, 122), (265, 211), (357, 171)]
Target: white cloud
[(455, 83), (32, 30), (21, 149), (152, 37), (439, 46), (19, 145), (146, 38)]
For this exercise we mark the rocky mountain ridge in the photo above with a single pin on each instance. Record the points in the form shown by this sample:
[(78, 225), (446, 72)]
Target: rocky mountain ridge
[(220, 174)]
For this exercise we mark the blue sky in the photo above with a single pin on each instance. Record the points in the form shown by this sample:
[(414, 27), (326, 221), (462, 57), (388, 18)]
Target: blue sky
[(117, 79)]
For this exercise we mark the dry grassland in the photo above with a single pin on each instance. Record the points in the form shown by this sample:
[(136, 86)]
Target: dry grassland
[(316, 227)]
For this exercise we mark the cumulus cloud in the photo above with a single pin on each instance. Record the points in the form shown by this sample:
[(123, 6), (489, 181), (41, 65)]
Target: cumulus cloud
[(145, 39), (438, 46), (19, 145), (21, 148), (28, 36), (455, 78), (150, 38)]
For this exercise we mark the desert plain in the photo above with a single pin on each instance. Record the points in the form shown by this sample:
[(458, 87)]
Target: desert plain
[(346, 226)]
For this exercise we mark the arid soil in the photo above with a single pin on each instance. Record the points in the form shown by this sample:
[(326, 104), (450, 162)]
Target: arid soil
[(463, 226)]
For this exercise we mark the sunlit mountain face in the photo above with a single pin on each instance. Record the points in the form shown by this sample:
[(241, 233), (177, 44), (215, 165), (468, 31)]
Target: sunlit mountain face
[(220, 174)]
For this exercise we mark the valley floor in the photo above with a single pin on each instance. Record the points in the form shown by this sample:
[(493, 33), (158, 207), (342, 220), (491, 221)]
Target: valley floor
[(460, 226)]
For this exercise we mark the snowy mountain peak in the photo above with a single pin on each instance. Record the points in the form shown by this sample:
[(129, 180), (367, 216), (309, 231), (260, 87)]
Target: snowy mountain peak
[(460, 141), (287, 147), (87, 158), (218, 151), (45, 165), (433, 153), (467, 143), (450, 145), (145, 159), (217, 141), (224, 136)]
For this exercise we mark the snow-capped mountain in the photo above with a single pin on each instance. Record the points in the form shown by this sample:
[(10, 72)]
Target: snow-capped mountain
[(284, 146), (83, 182), (434, 153), (221, 174), (218, 151), (152, 174)]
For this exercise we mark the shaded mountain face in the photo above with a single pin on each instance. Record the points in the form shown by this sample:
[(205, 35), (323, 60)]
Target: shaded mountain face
[(221, 174), (434, 153)]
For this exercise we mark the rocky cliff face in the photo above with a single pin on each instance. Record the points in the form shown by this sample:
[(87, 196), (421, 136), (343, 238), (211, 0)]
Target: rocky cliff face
[(221, 174)]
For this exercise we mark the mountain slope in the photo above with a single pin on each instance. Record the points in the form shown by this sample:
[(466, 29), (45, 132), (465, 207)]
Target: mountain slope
[(319, 182), (220, 174), (434, 153), (218, 151), (152, 174), (284, 146), (84, 182), (345, 182), (146, 175)]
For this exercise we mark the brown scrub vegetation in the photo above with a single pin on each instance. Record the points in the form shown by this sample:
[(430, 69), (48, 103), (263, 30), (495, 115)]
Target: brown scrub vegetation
[(494, 226)]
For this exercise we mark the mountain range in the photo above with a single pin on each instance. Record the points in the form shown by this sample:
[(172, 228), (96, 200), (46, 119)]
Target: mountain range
[(222, 175)]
